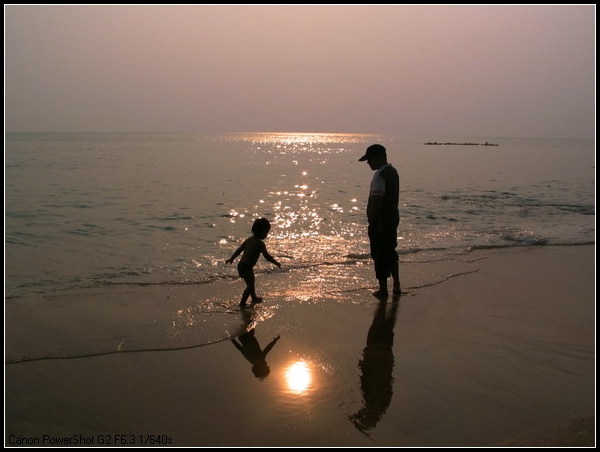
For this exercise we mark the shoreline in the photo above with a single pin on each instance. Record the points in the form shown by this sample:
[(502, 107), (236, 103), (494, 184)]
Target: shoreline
[(504, 355)]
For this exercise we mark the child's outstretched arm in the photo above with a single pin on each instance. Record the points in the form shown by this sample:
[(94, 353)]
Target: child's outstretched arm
[(270, 345), (270, 258), (236, 253)]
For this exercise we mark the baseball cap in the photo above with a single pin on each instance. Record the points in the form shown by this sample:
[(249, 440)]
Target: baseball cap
[(372, 151)]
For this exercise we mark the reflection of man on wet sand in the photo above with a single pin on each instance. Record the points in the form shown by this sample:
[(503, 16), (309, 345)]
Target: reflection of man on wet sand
[(251, 350), (376, 366)]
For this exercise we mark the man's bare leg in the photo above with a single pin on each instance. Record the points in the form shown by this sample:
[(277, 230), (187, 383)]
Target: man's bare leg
[(396, 277)]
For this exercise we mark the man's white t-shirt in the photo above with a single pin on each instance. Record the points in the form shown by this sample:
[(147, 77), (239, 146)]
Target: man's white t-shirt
[(378, 182)]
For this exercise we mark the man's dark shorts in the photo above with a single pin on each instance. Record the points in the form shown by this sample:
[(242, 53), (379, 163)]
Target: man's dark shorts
[(383, 242)]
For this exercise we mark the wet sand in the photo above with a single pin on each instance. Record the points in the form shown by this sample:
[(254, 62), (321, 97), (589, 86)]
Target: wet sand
[(504, 356)]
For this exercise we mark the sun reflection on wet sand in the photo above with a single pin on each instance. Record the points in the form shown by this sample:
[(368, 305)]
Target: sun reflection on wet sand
[(298, 377)]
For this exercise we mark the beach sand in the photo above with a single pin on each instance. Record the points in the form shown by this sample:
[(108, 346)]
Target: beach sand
[(503, 356)]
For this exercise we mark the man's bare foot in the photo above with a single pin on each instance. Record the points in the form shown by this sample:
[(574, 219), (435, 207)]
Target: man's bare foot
[(380, 294), (257, 300), (397, 290)]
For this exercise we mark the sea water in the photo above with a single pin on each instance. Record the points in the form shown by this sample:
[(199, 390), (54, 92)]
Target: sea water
[(88, 214)]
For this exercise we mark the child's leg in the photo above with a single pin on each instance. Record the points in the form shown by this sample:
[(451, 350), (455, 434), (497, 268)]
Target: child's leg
[(250, 288), (245, 296), (246, 273)]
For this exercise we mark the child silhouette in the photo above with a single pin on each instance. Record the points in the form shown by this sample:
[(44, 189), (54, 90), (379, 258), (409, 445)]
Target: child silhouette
[(251, 350), (252, 248)]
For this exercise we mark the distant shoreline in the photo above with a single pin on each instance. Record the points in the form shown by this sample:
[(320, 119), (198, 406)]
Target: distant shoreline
[(435, 143)]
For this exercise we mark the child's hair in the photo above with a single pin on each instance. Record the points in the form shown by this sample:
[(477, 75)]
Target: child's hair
[(261, 225)]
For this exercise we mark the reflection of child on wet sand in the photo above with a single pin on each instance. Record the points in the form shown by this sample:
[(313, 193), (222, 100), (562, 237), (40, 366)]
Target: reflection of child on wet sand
[(250, 348), (252, 248)]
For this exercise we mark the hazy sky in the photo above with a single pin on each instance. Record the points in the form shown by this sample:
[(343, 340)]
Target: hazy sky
[(481, 71)]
